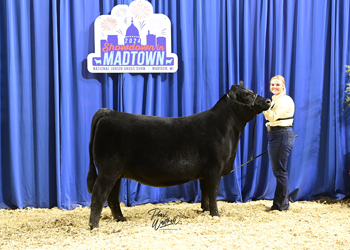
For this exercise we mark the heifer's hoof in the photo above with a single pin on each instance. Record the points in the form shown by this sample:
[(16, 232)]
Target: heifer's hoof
[(120, 218), (215, 214), (205, 209), (93, 226)]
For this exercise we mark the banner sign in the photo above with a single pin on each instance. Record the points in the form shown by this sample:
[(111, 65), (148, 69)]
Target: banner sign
[(132, 39)]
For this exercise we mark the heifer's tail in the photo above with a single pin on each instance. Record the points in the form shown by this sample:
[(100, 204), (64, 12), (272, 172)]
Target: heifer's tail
[(92, 174)]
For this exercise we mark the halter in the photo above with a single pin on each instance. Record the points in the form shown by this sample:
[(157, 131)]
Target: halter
[(250, 105)]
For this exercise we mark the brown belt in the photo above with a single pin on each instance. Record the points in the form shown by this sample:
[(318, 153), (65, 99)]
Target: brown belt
[(274, 128)]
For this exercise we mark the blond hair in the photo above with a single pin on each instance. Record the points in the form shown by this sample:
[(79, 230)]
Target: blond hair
[(281, 78)]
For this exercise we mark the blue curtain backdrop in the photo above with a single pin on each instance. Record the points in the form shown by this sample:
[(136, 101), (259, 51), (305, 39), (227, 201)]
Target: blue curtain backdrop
[(48, 97)]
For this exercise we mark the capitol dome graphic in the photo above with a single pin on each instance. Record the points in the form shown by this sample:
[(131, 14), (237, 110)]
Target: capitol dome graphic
[(132, 35)]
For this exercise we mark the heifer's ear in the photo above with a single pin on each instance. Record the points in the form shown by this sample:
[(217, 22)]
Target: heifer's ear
[(241, 83), (232, 92)]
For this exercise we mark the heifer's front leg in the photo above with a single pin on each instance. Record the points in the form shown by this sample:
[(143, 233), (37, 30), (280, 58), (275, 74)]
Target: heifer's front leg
[(212, 187), (205, 197), (113, 202), (102, 188)]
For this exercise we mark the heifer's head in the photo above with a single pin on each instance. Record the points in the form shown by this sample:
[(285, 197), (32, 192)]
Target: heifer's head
[(247, 98)]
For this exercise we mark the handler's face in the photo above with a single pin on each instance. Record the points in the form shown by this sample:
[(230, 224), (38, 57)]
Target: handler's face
[(276, 86)]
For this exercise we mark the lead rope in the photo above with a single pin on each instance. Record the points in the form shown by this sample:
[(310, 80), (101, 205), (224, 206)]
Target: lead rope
[(252, 158)]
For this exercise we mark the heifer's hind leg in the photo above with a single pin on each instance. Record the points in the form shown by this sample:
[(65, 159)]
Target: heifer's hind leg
[(100, 192), (205, 197), (113, 202)]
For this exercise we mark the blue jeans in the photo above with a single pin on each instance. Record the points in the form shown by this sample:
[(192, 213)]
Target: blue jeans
[(280, 143)]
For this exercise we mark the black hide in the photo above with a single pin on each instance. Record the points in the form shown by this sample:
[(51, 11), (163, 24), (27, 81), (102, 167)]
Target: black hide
[(163, 151)]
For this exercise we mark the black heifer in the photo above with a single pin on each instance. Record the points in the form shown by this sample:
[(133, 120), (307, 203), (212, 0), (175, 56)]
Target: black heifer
[(163, 151)]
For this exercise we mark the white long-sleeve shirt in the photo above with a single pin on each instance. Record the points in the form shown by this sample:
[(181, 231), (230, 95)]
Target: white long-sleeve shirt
[(282, 106)]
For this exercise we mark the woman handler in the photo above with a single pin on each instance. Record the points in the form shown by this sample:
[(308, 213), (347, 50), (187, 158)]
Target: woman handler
[(280, 135)]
